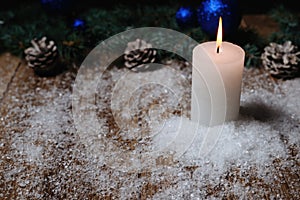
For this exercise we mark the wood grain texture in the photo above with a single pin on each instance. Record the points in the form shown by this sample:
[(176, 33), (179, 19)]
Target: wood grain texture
[(21, 89), (8, 67)]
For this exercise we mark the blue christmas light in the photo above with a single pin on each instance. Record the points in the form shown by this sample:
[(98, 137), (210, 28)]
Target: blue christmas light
[(185, 17), (184, 13), (213, 7), (209, 12), (57, 6), (78, 24)]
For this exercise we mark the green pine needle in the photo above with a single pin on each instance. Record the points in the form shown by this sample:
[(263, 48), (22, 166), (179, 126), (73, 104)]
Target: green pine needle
[(22, 25)]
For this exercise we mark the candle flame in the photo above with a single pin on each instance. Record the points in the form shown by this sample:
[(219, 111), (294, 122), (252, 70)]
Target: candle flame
[(219, 35)]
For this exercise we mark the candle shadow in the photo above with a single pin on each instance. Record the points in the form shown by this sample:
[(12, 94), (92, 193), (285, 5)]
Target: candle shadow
[(261, 112), (277, 118)]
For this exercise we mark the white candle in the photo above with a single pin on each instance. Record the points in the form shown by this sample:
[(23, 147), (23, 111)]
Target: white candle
[(216, 81)]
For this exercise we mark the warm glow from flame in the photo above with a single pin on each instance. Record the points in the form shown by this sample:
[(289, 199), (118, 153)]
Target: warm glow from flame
[(219, 36)]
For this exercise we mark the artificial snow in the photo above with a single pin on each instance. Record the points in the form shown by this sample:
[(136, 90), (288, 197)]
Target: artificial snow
[(239, 159)]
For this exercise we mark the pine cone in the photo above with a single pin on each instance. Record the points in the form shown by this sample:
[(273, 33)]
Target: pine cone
[(282, 61), (42, 55), (138, 53)]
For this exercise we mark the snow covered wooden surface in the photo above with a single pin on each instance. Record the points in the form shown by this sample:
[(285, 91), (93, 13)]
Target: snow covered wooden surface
[(9, 65), (42, 156)]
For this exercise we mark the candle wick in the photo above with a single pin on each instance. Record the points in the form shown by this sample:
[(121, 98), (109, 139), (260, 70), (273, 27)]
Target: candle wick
[(218, 49)]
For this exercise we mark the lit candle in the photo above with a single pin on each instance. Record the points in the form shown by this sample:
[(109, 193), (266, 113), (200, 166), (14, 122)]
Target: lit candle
[(216, 81)]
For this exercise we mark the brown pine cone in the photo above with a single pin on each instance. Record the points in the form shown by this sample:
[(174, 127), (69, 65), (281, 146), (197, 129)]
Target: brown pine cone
[(138, 53), (281, 60), (42, 54)]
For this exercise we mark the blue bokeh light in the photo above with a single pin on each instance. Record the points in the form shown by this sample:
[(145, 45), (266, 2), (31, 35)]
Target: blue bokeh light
[(213, 6), (78, 23), (184, 12), (57, 6), (209, 11), (185, 17)]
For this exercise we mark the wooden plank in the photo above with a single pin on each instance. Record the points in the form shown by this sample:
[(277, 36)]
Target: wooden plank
[(8, 67), (22, 86), (25, 89)]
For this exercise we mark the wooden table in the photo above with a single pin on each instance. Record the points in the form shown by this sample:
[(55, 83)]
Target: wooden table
[(19, 86)]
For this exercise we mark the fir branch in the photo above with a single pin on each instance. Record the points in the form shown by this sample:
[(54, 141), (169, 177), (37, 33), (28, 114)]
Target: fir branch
[(288, 23), (252, 57), (21, 26)]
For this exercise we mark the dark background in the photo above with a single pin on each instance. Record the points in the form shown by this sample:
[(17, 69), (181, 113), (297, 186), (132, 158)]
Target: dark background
[(247, 6)]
